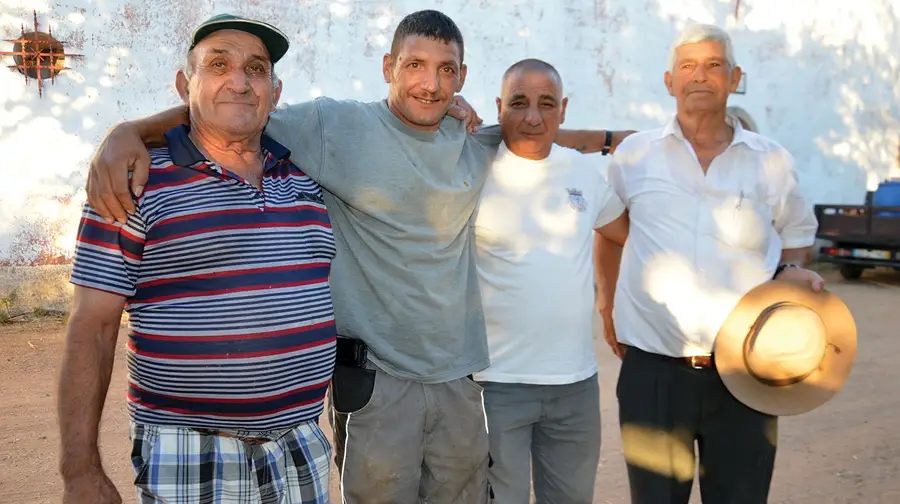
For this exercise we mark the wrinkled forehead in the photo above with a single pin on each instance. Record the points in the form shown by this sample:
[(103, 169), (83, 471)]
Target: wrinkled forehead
[(532, 83), (234, 43)]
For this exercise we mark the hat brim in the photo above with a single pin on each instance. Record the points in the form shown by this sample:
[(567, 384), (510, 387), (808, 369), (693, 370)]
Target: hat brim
[(275, 41), (817, 388)]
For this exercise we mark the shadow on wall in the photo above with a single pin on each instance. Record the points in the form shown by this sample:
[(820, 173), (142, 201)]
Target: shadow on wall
[(824, 85)]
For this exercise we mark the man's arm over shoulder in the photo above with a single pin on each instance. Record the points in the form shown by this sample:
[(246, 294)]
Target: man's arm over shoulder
[(490, 136), (124, 150), (586, 141), (310, 129), (300, 127)]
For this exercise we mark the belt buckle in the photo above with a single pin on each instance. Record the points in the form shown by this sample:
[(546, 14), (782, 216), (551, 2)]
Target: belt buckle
[(693, 361)]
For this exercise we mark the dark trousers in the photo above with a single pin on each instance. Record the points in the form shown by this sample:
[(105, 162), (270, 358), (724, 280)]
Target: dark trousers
[(665, 405)]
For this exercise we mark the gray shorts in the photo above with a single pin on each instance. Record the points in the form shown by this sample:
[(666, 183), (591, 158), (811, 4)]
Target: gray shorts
[(403, 442), (552, 430)]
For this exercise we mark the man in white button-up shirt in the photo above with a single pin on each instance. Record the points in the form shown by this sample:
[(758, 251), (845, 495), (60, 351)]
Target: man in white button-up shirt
[(715, 210)]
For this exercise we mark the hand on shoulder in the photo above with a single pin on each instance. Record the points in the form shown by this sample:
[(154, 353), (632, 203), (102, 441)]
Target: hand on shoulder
[(108, 189)]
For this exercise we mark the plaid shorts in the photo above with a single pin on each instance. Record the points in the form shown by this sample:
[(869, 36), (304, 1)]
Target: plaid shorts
[(177, 465)]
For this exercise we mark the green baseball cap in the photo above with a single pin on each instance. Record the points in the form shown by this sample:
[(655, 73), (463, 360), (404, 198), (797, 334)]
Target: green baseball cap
[(275, 40)]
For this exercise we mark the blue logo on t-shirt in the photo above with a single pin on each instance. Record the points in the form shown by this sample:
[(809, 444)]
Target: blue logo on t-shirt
[(576, 200)]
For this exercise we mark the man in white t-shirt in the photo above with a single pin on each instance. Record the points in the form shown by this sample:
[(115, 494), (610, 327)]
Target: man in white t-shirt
[(534, 237)]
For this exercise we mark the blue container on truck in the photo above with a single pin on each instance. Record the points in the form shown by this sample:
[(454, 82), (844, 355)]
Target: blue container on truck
[(887, 194)]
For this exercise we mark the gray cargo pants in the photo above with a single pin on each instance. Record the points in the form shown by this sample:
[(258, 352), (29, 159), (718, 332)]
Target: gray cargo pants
[(552, 430), (404, 442)]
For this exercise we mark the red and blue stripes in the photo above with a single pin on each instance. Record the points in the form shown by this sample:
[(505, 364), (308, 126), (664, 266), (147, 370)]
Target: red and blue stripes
[(232, 323)]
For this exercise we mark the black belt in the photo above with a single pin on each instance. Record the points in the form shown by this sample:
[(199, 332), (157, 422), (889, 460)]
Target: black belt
[(353, 352), (695, 362)]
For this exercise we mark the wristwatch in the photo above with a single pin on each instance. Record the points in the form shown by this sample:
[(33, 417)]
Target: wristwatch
[(782, 267), (607, 144)]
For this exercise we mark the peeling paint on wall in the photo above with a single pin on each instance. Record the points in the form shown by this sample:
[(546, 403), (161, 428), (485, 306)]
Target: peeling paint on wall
[(823, 80)]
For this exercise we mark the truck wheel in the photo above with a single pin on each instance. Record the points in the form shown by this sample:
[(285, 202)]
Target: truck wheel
[(851, 272)]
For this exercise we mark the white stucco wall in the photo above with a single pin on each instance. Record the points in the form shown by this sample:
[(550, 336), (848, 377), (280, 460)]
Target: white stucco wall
[(823, 79)]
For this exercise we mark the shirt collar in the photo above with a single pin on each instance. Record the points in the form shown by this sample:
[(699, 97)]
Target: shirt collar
[(741, 136), (184, 153)]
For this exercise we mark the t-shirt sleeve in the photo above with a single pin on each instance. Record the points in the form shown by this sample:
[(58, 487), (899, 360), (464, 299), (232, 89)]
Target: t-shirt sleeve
[(615, 178), (608, 202), (300, 127), (490, 136), (108, 256)]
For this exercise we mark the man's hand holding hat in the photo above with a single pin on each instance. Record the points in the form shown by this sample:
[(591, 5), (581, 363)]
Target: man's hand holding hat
[(802, 276)]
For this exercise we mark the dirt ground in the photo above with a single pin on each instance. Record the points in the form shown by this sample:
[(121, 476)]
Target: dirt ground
[(848, 451)]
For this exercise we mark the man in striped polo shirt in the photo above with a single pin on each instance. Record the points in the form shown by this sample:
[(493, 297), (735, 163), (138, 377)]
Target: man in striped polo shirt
[(224, 270)]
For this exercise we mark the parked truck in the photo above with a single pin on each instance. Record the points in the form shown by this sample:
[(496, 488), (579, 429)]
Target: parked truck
[(862, 236)]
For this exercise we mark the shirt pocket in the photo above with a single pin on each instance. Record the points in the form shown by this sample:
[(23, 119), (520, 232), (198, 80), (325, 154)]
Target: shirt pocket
[(744, 219)]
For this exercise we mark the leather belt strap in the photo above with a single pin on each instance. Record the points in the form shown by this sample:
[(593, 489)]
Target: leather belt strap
[(695, 362)]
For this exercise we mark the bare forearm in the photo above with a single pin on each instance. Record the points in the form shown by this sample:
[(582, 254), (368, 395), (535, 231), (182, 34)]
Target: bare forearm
[(587, 141), (84, 381), (152, 128), (798, 256), (607, 257)]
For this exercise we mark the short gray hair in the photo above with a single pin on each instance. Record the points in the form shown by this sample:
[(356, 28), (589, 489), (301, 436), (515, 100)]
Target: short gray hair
[(188, 68), (701, 33)]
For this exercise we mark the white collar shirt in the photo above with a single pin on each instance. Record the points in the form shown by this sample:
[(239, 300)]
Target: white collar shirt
[(698, 242)]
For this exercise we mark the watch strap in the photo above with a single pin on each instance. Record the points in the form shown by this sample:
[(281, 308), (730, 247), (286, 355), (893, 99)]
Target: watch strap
[(782, 267)]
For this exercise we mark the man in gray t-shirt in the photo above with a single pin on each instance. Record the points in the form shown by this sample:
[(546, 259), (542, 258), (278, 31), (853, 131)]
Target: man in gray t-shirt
[(401, 184), (401, 200)]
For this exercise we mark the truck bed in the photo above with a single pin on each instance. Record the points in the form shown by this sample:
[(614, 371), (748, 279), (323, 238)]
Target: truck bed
[(861, 236), (860, 225)]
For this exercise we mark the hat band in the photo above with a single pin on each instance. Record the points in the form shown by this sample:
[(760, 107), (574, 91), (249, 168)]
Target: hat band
[(748, 342)]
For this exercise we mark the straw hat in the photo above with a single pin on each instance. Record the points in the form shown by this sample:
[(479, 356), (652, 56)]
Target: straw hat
[(784, 349)]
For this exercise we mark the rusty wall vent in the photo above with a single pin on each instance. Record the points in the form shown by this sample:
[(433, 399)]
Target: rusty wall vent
[(37, 55)]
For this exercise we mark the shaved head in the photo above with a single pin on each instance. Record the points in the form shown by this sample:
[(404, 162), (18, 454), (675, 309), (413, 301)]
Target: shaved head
[(532, 65), (531, 107)]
